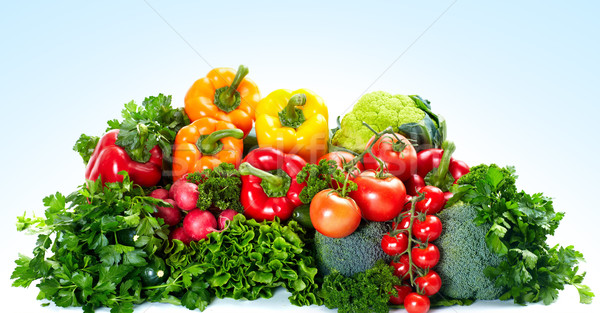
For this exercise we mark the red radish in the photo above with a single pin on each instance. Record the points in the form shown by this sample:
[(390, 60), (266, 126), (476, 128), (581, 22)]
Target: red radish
[(176, 185), (197, 224), (159, 194), (179, 234), (171, 215), (186, 196), (226, 217)]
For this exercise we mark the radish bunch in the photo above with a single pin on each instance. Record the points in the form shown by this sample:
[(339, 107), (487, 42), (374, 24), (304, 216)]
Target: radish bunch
[(183, 199)]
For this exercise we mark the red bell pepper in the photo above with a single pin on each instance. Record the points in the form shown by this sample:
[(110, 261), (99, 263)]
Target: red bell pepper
[(441, 159), (269, 186), (109, 159)]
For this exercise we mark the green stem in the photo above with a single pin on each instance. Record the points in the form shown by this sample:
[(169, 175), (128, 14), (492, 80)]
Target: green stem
[(296, 100), (291, 116), (137, 154), (247, 169), (438, 179), (343, 192), (237, 80), (228, 98), (211, 144)]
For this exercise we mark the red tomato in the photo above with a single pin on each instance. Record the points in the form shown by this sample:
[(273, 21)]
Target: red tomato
[(416, 303), (380, 199), (433, 202), (403, 291), (400, 163), (341, 157), (426, 257), (428, 230), (334, 216), (401, 267), (394, 245), (429, 283)]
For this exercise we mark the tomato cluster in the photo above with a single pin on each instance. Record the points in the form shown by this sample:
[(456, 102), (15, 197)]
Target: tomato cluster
[(414, 266)]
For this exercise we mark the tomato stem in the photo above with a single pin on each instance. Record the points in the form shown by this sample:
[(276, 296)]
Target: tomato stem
[(350, 166)]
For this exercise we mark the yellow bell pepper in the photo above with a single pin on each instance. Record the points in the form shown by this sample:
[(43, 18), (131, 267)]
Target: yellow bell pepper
[(293, 122)]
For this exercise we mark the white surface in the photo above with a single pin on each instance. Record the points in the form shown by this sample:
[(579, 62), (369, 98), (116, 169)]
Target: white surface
[(516, 81)]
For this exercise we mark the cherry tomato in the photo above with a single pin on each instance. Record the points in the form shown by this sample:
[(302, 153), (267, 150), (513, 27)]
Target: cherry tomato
[(407, 203), (400, 163), (428, 230), (401, 267), (403, 291), (416, 303), (413, 184), (394, 245), (380, 199), (426, 257), (433, 202), (429, 283), (334, 216)]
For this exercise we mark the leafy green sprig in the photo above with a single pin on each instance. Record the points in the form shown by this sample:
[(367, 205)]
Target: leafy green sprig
[(78, 259), (219, 187)]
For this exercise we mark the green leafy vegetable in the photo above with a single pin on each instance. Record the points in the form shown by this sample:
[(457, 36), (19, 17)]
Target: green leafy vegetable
[(318, 177), (519, 224), (219, 187), (78, 258), (143, 127), (365, 292), (85, 146), (248, 260)]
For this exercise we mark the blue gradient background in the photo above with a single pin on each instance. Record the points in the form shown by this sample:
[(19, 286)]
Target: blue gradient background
[(516, 80)]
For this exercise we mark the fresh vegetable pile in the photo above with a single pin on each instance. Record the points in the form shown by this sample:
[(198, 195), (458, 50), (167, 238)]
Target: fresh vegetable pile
[(235, 195)]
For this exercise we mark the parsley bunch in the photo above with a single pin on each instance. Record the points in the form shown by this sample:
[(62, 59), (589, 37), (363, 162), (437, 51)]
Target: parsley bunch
[(79, 260), (153, 123), (365, 292), (219, 187)]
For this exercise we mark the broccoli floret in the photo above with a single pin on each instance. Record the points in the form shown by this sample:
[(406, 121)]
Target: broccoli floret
[(465, 255), (354, 253), (380, 110)]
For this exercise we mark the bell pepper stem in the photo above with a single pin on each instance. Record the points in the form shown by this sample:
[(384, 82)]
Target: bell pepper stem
[(449, 147), (291, 116), (247, 169), (211, 144), (227, 98), (295, 101)]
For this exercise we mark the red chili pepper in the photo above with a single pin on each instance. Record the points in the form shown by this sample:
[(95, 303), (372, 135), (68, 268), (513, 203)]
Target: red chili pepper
[(109, 159), (269, 186)]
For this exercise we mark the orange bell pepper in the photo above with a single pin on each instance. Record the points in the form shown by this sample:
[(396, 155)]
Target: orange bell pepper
[(226, 95), (204, 144)]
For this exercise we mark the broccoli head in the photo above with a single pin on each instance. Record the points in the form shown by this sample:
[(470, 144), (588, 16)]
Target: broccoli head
[(465, 255), (380, 110), (354, 253)]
